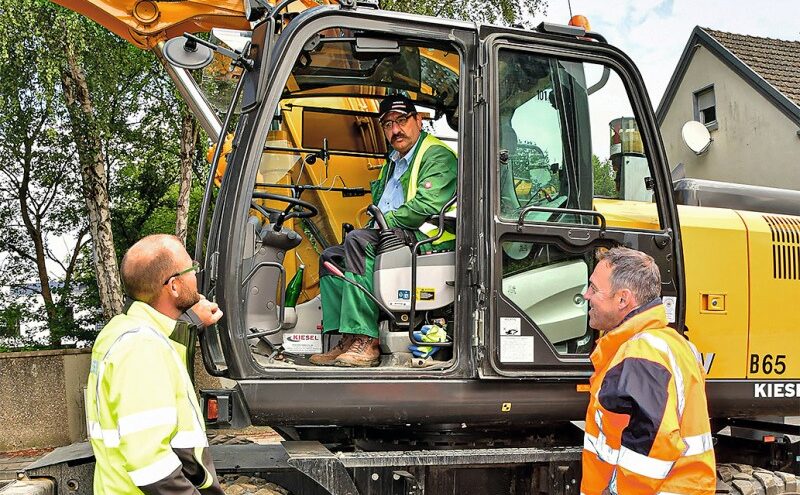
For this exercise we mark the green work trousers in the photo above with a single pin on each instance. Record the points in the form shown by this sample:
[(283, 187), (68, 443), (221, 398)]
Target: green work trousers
[(345, 307)]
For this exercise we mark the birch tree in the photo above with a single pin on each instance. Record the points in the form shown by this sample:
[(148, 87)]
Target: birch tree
[(188, 143), (86, 136), (37, 181)]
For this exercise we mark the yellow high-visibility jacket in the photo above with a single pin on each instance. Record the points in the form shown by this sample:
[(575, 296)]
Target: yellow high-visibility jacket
[(647, 426), (145, 424)]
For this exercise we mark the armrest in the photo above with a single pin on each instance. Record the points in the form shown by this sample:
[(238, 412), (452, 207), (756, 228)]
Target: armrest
[(449, 221)]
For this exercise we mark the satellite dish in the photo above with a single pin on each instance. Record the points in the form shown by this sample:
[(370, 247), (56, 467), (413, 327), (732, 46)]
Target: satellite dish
[(696, 136), (187, 53)]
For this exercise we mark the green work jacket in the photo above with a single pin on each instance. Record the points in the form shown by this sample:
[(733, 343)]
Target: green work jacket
[(435, 167)]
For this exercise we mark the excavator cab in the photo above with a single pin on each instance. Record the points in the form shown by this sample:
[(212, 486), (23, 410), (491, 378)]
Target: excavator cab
[(323, 147), (526, 114), (559, 156)]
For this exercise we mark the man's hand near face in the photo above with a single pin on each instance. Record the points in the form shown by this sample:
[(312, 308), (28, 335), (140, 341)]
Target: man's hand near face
[(206, 312)]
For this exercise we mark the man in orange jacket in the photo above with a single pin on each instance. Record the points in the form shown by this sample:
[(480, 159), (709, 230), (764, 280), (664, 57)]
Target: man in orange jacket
[(647, 426)]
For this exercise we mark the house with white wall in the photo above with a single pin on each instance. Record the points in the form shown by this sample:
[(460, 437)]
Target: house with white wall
[(746, 91)]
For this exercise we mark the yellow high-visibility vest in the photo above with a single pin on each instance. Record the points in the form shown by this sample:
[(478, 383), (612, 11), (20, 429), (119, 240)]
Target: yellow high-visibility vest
[(142, 413), (427, 228)]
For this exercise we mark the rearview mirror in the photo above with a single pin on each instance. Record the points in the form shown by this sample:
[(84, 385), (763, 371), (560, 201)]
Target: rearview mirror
[(187, 53)]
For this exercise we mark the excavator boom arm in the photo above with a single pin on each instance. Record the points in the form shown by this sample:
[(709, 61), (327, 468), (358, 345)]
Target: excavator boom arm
[(145, 23)]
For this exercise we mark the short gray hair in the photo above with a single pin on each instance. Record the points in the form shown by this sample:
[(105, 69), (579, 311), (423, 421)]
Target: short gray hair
[(635, 271)]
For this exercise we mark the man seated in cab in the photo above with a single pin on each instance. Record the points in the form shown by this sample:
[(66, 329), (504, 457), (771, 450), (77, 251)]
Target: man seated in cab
[(417, 180)]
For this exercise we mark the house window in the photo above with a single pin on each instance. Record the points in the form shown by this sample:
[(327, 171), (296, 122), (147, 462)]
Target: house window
[(705, 107)]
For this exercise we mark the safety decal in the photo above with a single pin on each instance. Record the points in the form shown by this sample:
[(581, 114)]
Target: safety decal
[(404, 295), (426, 294), (516, 349), (302, 343), (510, 326), (670, 302)]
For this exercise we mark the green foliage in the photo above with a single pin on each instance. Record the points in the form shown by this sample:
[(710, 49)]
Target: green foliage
[(603, 174), (137, 117), (492, 11), (37, 179), (11, 318)]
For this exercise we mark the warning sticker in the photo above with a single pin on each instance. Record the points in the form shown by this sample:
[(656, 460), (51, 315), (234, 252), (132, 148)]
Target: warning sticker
[(516, 349), (510, 326), (302, 343), (404, 295), (426, 294), (669, 306)]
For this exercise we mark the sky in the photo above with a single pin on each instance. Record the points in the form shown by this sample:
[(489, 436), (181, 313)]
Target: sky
[(654, 32)]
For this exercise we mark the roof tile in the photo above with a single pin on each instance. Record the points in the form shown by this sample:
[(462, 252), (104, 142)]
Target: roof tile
[(777, 61)]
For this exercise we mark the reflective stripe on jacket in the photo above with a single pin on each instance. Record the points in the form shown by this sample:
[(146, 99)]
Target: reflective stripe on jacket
[(647, 426), (144, 422), (429, 183)]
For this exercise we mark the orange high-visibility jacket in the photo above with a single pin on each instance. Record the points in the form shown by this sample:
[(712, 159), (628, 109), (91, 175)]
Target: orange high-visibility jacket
[(647, 427)]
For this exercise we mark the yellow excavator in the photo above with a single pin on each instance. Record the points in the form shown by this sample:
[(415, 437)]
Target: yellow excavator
[(493, 410)]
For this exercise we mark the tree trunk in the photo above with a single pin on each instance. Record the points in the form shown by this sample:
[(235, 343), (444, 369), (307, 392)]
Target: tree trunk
[(35, 233), (94, 188), (188, 142)]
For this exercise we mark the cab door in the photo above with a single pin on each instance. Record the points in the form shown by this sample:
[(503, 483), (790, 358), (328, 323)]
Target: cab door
[(575, 165)]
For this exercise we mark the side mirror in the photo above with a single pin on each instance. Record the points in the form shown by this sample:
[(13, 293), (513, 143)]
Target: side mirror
[(696, 137), (186, 53)]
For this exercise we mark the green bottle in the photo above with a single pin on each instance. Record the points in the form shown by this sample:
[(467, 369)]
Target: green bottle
[(294, 288)]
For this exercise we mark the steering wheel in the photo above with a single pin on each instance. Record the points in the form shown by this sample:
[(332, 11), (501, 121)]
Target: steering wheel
[(307, 210)]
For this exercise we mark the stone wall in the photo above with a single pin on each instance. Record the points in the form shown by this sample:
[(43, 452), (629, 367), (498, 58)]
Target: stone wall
[(42, 397)]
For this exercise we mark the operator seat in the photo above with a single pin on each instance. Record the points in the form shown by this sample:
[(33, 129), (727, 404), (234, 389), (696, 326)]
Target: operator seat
[(435, 281)]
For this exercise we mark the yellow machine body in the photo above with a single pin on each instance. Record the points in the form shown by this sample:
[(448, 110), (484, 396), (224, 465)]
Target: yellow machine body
[(742, 279)]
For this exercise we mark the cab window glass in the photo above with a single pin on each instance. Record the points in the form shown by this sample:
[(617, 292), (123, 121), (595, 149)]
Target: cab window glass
[(568, 137), (532, 169)]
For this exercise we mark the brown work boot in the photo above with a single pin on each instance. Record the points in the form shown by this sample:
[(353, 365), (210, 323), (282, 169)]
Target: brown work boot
[(328, 358), (364, 352)]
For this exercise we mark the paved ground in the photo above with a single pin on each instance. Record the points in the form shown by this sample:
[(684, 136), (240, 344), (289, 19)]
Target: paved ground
[(11, 462)]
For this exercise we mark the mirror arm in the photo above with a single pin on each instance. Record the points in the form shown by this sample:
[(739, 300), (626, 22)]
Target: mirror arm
[(238, 58)]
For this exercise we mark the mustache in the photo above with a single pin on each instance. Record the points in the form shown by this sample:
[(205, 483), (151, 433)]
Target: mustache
[(399, 135)]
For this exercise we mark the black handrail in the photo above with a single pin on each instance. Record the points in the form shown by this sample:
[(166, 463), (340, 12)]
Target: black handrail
[(412, 313), (212, 172), (587, 213), (211, 367)]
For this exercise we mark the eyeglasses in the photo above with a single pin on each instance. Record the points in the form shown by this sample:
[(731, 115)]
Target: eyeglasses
[(194, 268), (400, 121)]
